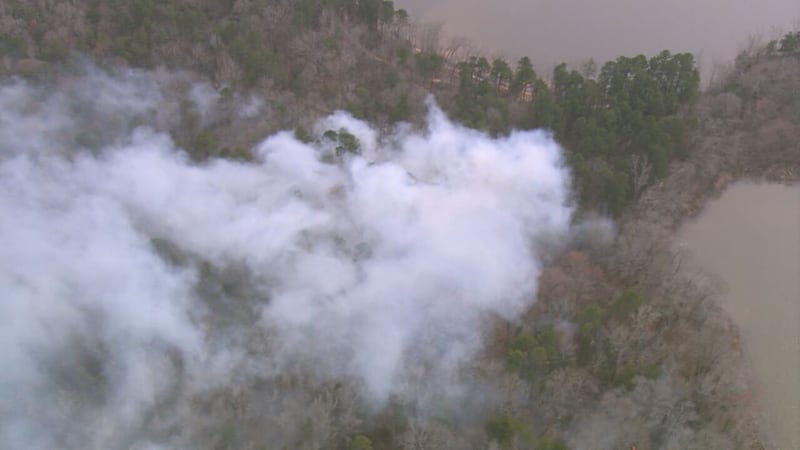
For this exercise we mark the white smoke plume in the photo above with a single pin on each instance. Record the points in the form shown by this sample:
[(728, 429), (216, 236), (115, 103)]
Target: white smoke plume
[(132, 277)]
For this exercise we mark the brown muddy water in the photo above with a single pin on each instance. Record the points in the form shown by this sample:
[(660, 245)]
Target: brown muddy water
[(750, 239), (551, 31)]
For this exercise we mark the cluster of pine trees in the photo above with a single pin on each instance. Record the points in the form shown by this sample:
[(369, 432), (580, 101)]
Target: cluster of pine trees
[(622, 125)]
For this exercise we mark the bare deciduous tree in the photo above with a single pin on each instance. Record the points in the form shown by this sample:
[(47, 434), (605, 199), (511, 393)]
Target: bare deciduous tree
[(641, 173), (429, 37)]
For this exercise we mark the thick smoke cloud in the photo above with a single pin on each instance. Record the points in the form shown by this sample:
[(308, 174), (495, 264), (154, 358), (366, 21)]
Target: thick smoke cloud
[(133, 278)]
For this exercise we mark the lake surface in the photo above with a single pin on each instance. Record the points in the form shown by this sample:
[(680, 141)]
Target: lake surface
[(750, 238), (552, 31)]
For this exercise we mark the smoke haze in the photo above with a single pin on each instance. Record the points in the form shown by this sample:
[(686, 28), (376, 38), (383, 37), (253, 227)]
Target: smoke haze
[(135, 280)]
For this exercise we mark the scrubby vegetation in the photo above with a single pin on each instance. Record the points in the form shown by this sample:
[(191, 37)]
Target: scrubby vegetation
[(621, 347)]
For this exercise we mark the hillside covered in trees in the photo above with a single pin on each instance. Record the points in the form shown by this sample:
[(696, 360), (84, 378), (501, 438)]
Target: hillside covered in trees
[(621, 348)]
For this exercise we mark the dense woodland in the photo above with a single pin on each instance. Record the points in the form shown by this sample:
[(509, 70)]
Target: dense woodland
[(620, 121), (621, 348)]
